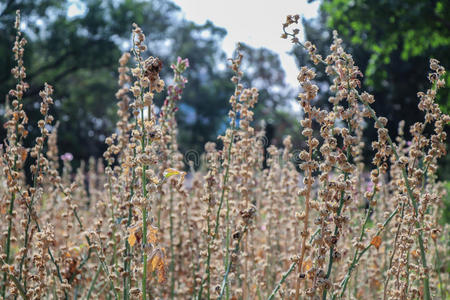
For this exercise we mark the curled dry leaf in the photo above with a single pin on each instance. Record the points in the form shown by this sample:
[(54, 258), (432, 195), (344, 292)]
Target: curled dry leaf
[(376, 241), (132, 239), (23, 154), (133, 230), (157, 263), (171, 172), (152, 235)]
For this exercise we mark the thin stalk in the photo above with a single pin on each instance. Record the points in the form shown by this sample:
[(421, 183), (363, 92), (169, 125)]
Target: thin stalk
[(222, 195), (336, 229), (361, 236), (10, 212), (227, 272), (13, 194), (225, 179), (22, 260), (307, 206), (192, 252), (105, 268), (283, 279), (427, 295), (227, 243), (94, 280), (208, 259), (19, 286), (172, 252), (437, 267), (330, 259), (127, 259), (58, 272), (144, 215), (114, 263), (16, 281), (407, 273), (388, 278), (102, 263), (144, 245), (358, 257)]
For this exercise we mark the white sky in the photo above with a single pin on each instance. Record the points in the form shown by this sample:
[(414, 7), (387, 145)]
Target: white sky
[(254, 22)]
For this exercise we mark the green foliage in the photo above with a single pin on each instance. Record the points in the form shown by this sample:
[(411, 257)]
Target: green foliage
[(393, 32)]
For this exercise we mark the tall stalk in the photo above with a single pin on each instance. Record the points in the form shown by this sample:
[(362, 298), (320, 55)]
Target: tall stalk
[(228, 157)]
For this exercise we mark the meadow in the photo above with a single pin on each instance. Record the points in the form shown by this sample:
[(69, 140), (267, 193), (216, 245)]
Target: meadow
[(141, 223)]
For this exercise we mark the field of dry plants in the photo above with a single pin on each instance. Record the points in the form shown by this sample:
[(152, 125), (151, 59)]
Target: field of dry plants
[(139, 225)]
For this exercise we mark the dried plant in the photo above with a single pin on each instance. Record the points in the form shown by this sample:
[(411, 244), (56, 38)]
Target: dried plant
[(142, 223)]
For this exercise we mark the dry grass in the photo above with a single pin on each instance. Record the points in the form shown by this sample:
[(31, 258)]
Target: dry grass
[(131, 227)]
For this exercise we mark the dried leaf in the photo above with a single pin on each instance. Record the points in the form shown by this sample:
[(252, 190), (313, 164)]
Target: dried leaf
[(415, 253), (152, 235), (376, 241), (154, 262), (23, 154), (171, 172), (157, 264), (132, 239), (307, 265)]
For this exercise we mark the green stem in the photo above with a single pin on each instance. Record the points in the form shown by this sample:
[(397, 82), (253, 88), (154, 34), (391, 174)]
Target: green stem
[(8, 240), (227, 243), (227, 272), (114, 263), (50, 254), (222, 195), (91, 288), (16, 281), (144, 246), (225, 180), (437, 267), (336, 229), (102, 263), (19, 286), (361, 236), (357, 257), (413, 200), (144, 215), (127, 259), (38, 167), (283, 279), (10, 212), (394, 251), (172, 252)]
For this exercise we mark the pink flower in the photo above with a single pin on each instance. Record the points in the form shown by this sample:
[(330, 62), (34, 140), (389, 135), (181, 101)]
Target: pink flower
[(67, 156)]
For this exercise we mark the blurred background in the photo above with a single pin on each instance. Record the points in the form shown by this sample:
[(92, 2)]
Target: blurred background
[(75, 45)]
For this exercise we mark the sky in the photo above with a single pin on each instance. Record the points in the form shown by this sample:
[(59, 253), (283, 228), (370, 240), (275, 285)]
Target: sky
[(254, 22)]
